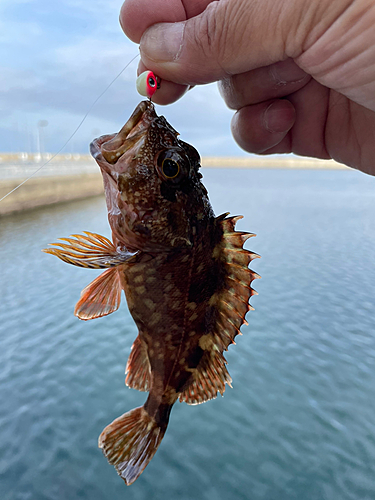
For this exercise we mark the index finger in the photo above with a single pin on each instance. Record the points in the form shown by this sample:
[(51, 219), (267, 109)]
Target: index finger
[(138, 15)]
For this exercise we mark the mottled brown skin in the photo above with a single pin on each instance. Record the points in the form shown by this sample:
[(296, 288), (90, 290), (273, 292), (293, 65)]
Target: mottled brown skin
[(178, 286), (184, 272), (169, 286), (146, 211)]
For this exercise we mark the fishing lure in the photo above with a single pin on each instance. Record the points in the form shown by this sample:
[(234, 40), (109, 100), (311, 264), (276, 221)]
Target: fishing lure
[(147, 84)]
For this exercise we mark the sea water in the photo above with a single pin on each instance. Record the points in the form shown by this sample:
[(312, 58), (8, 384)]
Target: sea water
[(299, 422)]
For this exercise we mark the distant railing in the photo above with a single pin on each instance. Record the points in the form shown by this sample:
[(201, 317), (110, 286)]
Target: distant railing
[(39, 158), (20, 165)]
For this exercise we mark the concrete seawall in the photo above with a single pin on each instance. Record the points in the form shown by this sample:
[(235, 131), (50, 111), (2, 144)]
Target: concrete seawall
[(48, 190), (65, 178), (72, 177)]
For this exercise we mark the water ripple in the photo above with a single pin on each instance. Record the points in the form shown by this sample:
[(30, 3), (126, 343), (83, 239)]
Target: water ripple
[(299, 421)]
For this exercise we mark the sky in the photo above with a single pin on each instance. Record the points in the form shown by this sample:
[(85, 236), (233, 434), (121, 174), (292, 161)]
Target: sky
[(57, 57)]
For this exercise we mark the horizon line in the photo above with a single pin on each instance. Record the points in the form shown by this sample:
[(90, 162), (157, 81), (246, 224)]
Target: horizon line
[(250, 161)]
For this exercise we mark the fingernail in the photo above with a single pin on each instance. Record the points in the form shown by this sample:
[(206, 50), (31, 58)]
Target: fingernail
[(279, 116), (287, 72), (163, 42)]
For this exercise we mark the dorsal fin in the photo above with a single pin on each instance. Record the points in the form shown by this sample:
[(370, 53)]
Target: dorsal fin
[(230, 305), (209, 379), (232, 301)]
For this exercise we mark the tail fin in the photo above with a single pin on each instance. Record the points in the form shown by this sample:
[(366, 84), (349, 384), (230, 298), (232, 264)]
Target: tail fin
[(130, 442)]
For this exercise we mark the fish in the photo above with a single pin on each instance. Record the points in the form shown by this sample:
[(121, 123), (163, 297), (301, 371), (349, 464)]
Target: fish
[(184, 272)]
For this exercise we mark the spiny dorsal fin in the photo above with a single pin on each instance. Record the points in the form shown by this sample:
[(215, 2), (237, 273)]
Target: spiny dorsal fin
[(230, 305), (232, 301), (92, 250), (138, 367), (101, 297)]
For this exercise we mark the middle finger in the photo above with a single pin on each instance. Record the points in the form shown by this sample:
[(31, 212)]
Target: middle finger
[(261, 84)]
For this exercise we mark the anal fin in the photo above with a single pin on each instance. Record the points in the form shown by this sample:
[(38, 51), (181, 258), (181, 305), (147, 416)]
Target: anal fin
[(138, 367)]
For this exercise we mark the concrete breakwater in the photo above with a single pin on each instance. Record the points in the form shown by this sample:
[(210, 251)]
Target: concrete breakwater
[(74, 176), (48, 190), (65, 178)]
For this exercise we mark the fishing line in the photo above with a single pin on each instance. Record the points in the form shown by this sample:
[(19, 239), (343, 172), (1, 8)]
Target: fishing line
[(75, 131)]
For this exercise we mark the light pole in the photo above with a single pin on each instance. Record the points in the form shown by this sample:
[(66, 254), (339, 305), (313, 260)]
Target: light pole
[(41, 125)]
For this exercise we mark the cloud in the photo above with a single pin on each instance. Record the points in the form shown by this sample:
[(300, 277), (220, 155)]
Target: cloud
[(27, 33), (59, 57)]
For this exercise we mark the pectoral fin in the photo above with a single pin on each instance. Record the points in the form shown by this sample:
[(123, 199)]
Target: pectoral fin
[(90, 250), (101, 297)]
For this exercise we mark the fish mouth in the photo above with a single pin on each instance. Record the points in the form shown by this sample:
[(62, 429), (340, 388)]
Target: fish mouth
[(112, 147)]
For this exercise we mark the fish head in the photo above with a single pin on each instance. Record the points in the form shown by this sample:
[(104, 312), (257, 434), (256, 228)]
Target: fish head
[(152, 183)]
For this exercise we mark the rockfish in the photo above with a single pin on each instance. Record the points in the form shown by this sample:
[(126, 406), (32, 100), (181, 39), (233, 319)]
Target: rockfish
[(184, 273)]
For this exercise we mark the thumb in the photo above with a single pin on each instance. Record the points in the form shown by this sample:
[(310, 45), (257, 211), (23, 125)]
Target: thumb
[(228, 37)]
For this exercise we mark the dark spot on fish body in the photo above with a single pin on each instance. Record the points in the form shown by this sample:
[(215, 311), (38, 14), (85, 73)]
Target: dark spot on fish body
[(207, 282), (210, 317), (168, 192), (171, 191), (141, 229), (172, 219), (194, 357), (187, 186), (182, 380), (175, 268), (209, 274)]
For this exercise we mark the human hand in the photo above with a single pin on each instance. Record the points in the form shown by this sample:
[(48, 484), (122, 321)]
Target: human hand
[(299, 73)]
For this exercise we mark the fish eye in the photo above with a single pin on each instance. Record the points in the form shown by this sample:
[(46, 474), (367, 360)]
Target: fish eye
[(172, 165), (170, 168)]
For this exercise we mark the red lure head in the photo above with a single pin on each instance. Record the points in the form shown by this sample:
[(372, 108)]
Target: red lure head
[(147, 84)]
